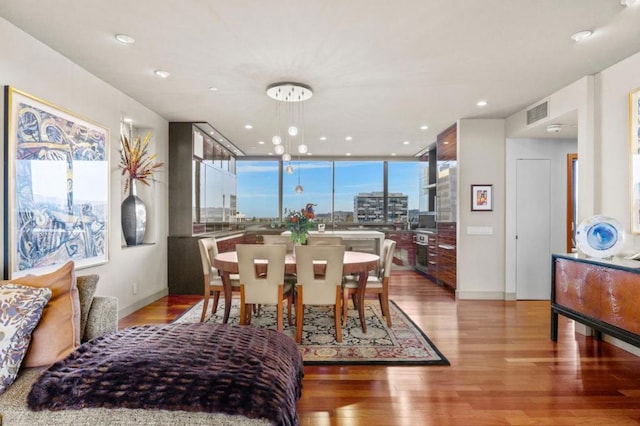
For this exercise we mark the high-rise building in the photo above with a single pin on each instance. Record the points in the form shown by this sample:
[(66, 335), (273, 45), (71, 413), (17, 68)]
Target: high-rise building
[(369, 207)]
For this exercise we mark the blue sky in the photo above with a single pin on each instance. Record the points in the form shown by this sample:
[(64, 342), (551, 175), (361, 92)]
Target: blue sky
[(258, 184)]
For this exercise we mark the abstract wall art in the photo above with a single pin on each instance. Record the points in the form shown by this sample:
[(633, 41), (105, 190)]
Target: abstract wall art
[(56, 187)]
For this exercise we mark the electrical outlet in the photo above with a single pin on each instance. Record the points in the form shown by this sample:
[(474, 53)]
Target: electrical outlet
[(134, 288)]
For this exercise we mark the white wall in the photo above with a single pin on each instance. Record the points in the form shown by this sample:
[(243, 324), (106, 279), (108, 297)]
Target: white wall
[(615, 83), (481, 156), (556, 151), (28, 65)]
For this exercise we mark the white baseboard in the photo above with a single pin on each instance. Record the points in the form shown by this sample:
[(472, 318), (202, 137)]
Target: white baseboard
[(480, 295)]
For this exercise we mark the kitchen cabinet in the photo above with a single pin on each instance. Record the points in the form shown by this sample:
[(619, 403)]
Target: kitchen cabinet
[(447, 206), (436, 243)]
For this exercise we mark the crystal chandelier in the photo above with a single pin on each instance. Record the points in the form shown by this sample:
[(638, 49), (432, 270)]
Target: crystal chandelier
[(289, 120)]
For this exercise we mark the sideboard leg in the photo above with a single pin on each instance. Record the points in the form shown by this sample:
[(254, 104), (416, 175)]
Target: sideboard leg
[(554, 326)]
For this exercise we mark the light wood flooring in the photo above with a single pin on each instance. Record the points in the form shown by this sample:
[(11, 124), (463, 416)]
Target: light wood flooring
[(504, 369)]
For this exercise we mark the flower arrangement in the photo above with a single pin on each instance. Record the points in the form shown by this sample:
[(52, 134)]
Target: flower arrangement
[(299, 222), (136, 161)]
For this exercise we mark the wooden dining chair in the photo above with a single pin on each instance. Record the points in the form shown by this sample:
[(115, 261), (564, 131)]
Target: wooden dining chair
[(261, 270), (212, 280), (377, 284), (313, 289)]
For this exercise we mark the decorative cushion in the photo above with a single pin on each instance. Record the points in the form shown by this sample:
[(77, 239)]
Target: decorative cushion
[(87, 285), (58, 332), (20, 311)]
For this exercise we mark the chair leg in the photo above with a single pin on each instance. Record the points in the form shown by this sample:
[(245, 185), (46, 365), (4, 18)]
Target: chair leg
[(345, 305), (289, 303), (384, 304), (336, 314), (243, 307), (249, 313), (299, 316), (216, 299), (279, 309), (204, 308)]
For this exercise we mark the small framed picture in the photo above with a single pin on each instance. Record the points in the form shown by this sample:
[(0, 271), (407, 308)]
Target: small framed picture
[(481, 198)]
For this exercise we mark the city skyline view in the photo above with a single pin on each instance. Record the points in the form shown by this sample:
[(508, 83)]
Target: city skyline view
[(257, 185)]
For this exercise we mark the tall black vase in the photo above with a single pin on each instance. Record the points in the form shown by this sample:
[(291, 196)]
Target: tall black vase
[(134, 217)]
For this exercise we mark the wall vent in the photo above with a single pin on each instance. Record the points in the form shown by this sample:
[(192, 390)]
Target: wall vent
[(537, 113)]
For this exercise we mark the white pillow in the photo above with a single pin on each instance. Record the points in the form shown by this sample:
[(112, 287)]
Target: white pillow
[(20, 311)]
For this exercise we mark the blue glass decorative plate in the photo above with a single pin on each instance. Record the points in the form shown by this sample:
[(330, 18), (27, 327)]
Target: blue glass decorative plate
[(600, 236)]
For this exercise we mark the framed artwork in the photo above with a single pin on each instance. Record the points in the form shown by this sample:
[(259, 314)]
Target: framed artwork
[(634, 151), (481, 198), (56, 187)]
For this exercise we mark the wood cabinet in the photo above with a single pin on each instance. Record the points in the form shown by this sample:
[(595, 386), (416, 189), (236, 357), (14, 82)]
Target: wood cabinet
[(202, 180), (438, 258), (600, 294), (202, 200), (447, 207)]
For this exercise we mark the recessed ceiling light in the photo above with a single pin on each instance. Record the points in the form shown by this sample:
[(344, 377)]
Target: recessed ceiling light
[(393, 154), (248, 126), (125, 39), (581, 35), (348, 138), (260, 142), (323, 138), (213, 89), (162, 74), (406, 143), (348, 154), (308, 153), (481, 103), (128, 120), (424, 127), (271, 153)]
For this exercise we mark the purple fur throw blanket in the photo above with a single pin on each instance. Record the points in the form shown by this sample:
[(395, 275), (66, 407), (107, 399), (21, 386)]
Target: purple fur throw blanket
[(246, 371)]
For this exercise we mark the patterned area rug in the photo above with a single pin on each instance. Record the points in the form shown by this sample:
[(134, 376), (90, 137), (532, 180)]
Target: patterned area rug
[(402, 344)]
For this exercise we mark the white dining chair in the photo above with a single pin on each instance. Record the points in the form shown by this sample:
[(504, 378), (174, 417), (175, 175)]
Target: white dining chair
[(261, 270), (377, 284), (212, 280), (314, 289)]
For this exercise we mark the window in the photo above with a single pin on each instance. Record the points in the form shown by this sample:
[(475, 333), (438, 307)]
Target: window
[(344, 192), (257, 199), (359, 191), (403, 201), (316, 180)]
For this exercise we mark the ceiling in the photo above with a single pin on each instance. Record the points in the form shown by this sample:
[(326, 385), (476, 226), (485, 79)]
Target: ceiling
[(379, 70)]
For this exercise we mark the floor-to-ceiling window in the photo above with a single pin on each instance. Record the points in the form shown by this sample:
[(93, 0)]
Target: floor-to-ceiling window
[(345, 193), (257, 199)]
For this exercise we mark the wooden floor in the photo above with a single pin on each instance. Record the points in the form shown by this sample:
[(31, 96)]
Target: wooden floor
[(504, 369)]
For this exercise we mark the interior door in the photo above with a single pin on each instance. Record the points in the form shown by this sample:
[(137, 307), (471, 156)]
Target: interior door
[(533, 229)]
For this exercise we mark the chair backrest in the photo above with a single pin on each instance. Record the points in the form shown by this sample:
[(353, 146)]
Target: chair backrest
[(319, 290), (388, 250), (208, 250), (324, 240), (278, 239), (253, 261)]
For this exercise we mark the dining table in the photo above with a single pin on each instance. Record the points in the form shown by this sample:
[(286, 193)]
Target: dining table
[(355, 263)]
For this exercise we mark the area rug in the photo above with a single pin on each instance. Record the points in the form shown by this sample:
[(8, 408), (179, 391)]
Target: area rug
[(402, 344)]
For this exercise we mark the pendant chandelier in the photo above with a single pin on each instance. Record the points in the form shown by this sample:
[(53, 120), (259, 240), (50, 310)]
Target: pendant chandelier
[(289, 121)]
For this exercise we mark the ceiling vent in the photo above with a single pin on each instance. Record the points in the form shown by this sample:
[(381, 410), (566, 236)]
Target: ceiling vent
[(538, 113)]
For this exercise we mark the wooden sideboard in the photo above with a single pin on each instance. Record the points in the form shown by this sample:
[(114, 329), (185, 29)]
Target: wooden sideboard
[(603, 295)]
